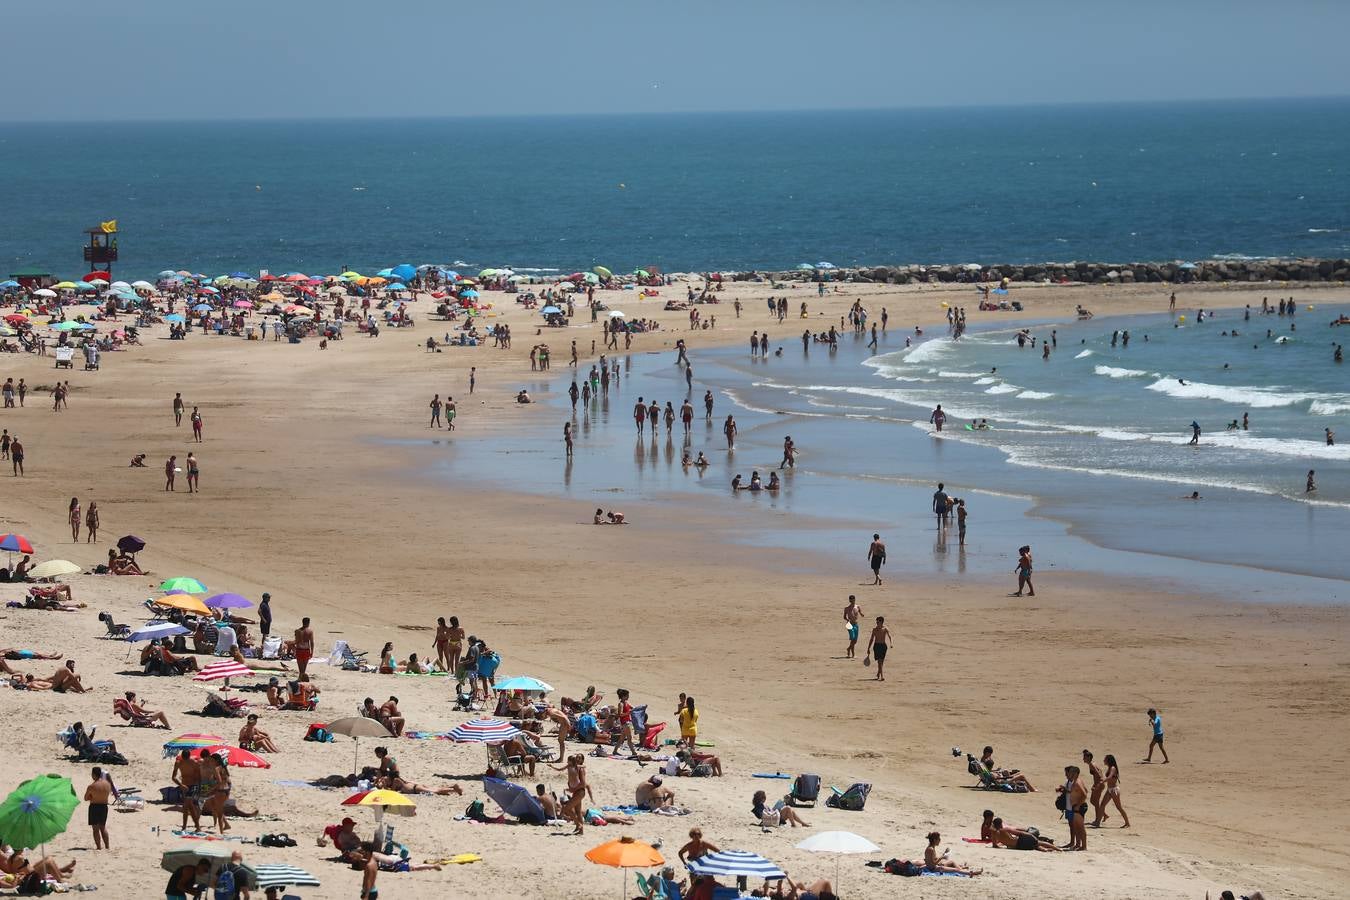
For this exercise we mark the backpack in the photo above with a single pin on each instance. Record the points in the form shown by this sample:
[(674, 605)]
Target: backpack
[(854, 799), (225, 883), (320, 734), (476, 811), (586, 726)]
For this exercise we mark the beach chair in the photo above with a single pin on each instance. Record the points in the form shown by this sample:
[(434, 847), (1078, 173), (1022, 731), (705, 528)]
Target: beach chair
[(220, 708), (65, 357), (651, 737), (271, 648), (499, 759), (853, 799), (115, 631), (350, 661), (89, 750), (122, 709), (805, 790), (295, 699)]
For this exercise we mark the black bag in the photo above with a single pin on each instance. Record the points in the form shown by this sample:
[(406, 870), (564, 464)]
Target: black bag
[(1061, 802)]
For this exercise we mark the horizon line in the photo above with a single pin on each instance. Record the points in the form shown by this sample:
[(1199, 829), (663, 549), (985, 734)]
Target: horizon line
[(972, 107)]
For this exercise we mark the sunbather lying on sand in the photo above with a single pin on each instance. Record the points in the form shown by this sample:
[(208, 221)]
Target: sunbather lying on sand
[(29, 683), (787, 889), (14, 653), (1001, 835)]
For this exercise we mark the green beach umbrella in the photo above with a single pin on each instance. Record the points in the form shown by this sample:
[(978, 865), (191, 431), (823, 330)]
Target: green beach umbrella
[(37, 811), (602, 272), (186, 585)]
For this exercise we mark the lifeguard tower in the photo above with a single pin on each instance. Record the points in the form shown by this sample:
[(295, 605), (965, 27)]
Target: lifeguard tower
[(101, 251)]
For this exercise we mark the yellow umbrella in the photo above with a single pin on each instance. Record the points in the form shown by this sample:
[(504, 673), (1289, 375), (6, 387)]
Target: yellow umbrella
[(66, 286), (53, 568), (274, 295), (351, 275), (185, 602), (383, 801)]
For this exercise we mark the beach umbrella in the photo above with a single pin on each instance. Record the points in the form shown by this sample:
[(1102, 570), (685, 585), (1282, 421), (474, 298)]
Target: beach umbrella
[(167, 273), (217, 856), (65, 285), (143, 285), (53, 568), (737, 864), (203, 307), (97, 282), (838, 842), (826, 265), (228, 601), (515, 801), (277, 875), (469, 293), (183, 583), (550, 310), (382, 801), (357, 727), (616, 314), (207, 290), (156, 631), (403, 272), (351, 275), (192, 741), (603, 272), (337, 289), (6, 331), (642, 273), (174, 317), (37, 811), (129, 543), (223, 669), (8, 285), (15, 543), (397, 286), (117, 284), (296, 277), (44, 292), (243, 304), (239, 757), (523, 683), (64, 326), (184, 602), (625, 853), (484, 731), (85, 286), (487, 273), (16, 318)]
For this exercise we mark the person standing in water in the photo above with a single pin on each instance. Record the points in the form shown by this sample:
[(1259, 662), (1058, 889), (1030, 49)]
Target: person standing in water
[(1312, 482), (729, 429), (876, 557), (852, 613), (938, 417), (1195, 434)]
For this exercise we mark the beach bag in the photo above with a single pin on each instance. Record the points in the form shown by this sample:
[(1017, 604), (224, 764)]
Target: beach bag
[(1061, 801), (586, 727), (853, 799), (319, 734), (703, 770), (476, 811), (225, 883)]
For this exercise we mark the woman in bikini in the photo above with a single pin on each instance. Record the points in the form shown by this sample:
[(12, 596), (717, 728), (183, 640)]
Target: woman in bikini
[(933, 862), (91, 522), (73, 516), (1112, 794), (387, 664), (455, 644), (442, 644), (577, 790)]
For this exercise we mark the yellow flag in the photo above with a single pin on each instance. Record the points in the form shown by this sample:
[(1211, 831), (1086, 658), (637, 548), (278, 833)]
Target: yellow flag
[(109, 227)]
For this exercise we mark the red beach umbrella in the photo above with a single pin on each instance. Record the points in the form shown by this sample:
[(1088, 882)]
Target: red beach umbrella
[(239, 757)]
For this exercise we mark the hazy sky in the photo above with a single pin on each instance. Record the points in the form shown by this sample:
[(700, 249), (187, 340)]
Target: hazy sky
[(170, 59)]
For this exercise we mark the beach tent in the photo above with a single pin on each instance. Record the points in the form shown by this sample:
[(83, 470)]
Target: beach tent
[(515, 801)]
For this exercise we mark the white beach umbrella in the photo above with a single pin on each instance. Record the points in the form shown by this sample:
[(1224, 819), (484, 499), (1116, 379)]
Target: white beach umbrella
[(839, 842)]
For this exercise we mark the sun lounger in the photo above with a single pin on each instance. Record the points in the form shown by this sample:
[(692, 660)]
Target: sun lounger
[(122, 709), (805, 790), (115, 631)]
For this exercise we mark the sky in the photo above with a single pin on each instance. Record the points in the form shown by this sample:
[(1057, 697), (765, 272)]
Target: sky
[(289, 59)]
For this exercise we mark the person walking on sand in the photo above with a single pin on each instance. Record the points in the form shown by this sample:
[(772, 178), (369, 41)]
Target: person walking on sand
[(876, 557), (1075, 808), (304, 645), (97, 795), (1023, 571), (450, 410), (880, 641), (1112, 794), (75, 519), (435, 411), (192, 474), (1098, 787), (196, 425), (170, 470), (91, 522), (16, 455), (177, 409), (852, 614), (473, 378), (1155, 720), (729, 429), (574, 392)]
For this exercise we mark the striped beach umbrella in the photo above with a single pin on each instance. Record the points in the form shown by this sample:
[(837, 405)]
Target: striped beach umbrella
[(15, 543), (275, 875), (192, 742), (484, 731), (737, 863), (222, 668)]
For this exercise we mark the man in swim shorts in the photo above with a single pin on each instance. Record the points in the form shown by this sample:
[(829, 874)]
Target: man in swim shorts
[(852, 613), (876, 556), (304, 645), (880, 639)]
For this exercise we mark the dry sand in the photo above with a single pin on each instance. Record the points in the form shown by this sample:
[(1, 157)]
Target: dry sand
[(302, 500)]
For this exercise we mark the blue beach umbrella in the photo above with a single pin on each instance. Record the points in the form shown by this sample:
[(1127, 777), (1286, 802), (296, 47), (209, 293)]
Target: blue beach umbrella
[(203, 307), (736, 863), (470, 293), (243, 275), (523, 683), (157, 630), (549, 310), (397, 286), (403, 272), (385, 273), (515, 801), (8, 285), (174, 317)]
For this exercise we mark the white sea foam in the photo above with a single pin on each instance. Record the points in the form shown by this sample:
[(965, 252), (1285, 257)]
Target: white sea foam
[(928, 351), (1083, 354), (1238, 395), (988, 379), (1327, 407), (1114, 372), (959, 374), (1003, 388), (1324, 231), (1035, 395)]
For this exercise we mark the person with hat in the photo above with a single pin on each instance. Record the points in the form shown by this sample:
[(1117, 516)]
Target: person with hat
[(343, 836)]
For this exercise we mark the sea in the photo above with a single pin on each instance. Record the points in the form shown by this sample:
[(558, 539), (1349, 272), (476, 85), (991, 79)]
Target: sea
[(1087, 455), (1140, 182)]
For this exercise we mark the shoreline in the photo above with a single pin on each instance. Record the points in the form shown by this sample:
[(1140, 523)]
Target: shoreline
[(297, 502)]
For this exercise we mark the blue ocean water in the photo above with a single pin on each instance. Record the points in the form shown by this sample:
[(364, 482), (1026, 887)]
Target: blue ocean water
[(687, 192)]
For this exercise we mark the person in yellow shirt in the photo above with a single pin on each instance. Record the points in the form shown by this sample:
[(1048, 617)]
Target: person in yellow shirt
[(688, 722)]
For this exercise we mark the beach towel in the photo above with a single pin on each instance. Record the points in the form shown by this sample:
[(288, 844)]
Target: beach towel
[(976, 841)]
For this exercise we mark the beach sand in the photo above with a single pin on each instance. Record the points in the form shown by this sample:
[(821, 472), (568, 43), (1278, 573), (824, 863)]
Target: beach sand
[(304, 497)]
